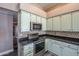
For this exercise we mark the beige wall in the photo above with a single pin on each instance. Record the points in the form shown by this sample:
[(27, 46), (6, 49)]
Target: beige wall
[(65, 34), (11, 6), (63, 9), (33, 9)]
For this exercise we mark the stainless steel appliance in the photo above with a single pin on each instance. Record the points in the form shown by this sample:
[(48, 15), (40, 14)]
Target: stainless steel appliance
[(33, 36), (39, 46), (35, 26), (39, 43)]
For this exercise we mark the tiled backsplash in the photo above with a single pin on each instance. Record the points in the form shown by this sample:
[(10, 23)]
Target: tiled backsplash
[(21, 35), (66, 34)]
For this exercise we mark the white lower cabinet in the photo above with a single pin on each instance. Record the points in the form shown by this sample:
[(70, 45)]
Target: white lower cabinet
[(56, 49), (52, 47), (48, 44), (66, 51), (61, 49), (28, 50)]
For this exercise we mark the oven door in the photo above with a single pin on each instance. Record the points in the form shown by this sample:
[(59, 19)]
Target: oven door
[(39, 48)]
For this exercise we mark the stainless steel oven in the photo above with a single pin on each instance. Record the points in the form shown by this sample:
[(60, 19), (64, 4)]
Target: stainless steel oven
[(39, 47), (39, 44), (35, 26)]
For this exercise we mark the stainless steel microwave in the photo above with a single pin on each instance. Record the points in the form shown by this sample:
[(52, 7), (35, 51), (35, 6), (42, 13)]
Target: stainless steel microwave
[(35, 26)]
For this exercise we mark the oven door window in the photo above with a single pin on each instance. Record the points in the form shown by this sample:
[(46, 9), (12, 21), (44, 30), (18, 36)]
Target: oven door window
[(40, 46)]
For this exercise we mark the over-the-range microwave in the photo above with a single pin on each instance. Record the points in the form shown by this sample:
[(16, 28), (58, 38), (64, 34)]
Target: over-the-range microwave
[(35, 26)]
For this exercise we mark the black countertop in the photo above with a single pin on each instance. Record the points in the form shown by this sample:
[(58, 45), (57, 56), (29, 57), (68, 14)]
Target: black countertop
[(59, 38), (63, 39), (26, 40)]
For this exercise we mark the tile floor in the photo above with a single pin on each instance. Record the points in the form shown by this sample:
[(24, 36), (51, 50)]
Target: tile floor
[(16, 54), (12, 54)]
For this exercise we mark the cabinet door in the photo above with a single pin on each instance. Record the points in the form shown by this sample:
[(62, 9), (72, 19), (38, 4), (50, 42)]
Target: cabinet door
[(56, 49), (69, 52), (75, 21), (44, 24), (39, 19), (49, 24), (47, 44), (78, 51), (28, 49), (66, 22), (33, 18), (52, 47), (56, 23), (25, 21)]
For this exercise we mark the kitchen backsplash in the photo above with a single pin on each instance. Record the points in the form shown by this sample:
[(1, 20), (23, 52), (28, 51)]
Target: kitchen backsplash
[(66, 34), (21, 35)]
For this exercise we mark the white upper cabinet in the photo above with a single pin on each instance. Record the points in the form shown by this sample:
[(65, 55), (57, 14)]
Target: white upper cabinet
[(43, 24), (66, 22), (39, 19), (49, 24), (33, 18), (25, 21), (75, 21), (56, 23)]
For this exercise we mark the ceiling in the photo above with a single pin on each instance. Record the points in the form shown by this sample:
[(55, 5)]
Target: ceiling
[(48, 6)]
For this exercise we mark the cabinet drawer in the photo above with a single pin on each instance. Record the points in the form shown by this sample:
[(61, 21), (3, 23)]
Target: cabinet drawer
[(29, 46), (27, 52), (30, 54), (70, 45), (58, 42), (69, 51), (73, 46), (50, 40), (65, 44)]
